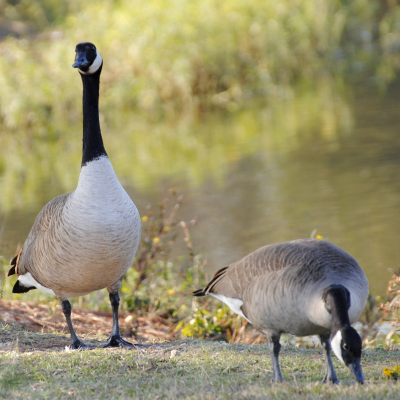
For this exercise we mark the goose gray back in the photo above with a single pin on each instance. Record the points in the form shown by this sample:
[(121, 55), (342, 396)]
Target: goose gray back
[(84, 240), (304, 287)]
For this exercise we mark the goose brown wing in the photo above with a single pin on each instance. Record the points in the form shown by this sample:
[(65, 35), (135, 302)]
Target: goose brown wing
[(33, 248), (306, 255)]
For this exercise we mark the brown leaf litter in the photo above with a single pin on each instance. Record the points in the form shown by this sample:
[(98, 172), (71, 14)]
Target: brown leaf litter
[(49, 318)]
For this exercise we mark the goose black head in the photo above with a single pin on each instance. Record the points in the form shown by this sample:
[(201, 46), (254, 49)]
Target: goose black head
[(346, 344), (87, 59)]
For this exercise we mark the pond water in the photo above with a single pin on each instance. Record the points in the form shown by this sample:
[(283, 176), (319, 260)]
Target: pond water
[(325, 160)]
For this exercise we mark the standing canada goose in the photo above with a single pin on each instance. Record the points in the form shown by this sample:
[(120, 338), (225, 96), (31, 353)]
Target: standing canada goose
[(304, 287), (84, 240)]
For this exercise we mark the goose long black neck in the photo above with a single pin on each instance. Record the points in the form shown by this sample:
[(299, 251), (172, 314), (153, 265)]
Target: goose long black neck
[(93, 146)]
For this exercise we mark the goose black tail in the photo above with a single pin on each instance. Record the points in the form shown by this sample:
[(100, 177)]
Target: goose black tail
[(210, 285), (13, 264), (11, 271), (198, 293), (18, 288)]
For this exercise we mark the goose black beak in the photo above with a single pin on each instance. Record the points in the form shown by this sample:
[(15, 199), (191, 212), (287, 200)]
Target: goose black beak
[(81, 62), (356, 369)]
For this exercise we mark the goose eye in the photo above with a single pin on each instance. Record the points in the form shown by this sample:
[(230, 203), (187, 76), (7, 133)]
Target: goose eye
[(345, 346)]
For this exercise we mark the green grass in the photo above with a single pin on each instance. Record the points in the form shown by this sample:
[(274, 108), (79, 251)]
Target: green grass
[(198, 369)]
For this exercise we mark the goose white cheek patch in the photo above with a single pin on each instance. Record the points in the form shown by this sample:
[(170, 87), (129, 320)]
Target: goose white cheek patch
[(95, 65), (335, 342)]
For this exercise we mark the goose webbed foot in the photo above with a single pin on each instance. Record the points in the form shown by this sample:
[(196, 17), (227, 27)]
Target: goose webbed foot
[(79, 345), (278, 378), (332, 380), (117, 341)]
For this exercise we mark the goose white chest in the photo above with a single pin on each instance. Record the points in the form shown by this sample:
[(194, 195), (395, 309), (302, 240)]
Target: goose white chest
[(100, 209), (100, 226), (101, 201)]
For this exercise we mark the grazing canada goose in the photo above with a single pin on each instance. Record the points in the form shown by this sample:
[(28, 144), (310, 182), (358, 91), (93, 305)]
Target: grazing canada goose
[(304, 287), (84, 240)]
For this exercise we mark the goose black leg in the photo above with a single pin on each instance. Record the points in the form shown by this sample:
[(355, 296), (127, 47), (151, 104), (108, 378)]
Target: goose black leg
[(330, 372), (274, 348), (76, 343), (115, 339)]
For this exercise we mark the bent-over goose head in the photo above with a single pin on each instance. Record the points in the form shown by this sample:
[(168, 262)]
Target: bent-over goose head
[(87, 59), (346, 344)]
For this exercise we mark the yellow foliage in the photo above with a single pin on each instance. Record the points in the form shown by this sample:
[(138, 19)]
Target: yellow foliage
[(392, 373)]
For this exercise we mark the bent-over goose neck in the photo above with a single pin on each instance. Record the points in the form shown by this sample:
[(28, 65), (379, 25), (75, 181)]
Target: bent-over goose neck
[(337, 302)]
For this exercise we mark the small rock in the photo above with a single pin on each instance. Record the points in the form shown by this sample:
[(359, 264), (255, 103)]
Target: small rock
[(175, 353)]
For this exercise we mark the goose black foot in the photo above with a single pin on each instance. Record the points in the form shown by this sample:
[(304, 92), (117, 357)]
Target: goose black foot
[(117, 341), (79, 345), (333, 381)]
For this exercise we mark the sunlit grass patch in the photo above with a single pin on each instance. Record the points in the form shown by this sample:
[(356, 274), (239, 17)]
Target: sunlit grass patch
[(189, 368)]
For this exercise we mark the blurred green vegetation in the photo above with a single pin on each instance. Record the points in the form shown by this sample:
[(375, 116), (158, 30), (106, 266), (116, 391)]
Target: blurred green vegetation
[(37, 14), (178, 57)]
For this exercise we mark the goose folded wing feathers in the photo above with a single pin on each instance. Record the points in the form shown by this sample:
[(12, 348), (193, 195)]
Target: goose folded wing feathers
[(232, 280), (30, 257)]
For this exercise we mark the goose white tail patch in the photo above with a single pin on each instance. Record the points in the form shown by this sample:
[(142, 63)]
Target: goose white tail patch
[(28, 280), (95, 65), (234, 304), (335, 342)]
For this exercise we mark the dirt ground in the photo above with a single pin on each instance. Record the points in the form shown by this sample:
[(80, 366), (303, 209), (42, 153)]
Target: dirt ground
[(91, 326)]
